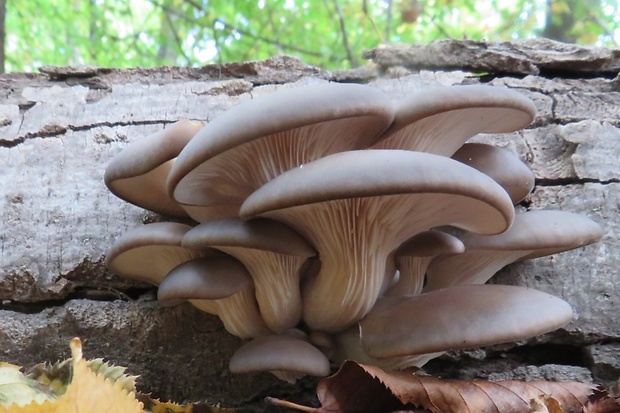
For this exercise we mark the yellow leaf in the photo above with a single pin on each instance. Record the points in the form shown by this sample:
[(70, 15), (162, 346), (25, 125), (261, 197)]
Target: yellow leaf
[(15, 388), (88, 392)]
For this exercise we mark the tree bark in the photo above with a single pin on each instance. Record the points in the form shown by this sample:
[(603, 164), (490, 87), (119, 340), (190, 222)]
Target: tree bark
[(59, 129)]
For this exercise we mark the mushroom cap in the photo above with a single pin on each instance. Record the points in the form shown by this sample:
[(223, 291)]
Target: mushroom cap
[(210, 278), (459, 317), (543, 232), (260, 234), (439, 120), (430, 244), (500, 164), (149, 252), (218, 285), (257, 140), (283, 352), (348, 346), (373, 173), (414, 256), (138, 174)]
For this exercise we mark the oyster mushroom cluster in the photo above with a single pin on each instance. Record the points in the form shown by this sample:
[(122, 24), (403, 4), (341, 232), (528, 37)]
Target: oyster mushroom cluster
[(333, 224)]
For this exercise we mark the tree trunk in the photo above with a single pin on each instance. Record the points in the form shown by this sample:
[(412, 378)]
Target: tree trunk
[(2, 35), (59, 130)]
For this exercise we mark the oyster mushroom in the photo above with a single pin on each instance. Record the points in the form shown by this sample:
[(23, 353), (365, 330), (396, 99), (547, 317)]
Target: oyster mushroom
[(149, 252), (348, 346), (138, 174), (414, 256), (356, 207), (439, 120), (289, 356), (463, 316), (533, 234), (272, 253), (218, 285), (257, 140), (500, 164)]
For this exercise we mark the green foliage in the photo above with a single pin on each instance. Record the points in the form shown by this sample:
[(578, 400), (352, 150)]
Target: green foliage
[(328, 33)]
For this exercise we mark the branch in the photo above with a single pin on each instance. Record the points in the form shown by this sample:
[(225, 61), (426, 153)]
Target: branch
[(177, 39), (2, 33), (388, 23), (345, 39), (284, 46)]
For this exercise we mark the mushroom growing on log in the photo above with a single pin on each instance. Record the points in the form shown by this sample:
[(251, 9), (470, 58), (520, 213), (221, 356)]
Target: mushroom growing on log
[(333, 205)]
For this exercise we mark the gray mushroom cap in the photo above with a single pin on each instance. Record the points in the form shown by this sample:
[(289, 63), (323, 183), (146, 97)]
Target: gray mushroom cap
[(280, 353), (211, 278), (357, 207), (414, 256), (533, 234), (459, 317), (500, 164), (272, 252), (220, 285), (348, 346), (257, 140), (149, 252), (138, 174), (439, 120)]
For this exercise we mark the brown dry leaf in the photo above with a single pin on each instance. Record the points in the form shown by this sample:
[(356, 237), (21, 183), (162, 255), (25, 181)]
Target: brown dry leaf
[(367, 389), (88, 392)]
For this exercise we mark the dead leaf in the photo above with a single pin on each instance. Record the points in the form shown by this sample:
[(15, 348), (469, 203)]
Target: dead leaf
[(358, 388)]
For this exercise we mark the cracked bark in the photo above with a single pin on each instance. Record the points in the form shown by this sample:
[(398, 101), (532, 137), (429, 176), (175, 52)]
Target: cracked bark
[(59, 129)]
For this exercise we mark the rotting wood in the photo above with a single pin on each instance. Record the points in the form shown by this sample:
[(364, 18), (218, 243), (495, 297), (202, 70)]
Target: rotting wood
[(528, 57)]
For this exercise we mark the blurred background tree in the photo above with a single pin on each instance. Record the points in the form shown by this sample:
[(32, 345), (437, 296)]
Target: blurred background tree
[(327, 33)]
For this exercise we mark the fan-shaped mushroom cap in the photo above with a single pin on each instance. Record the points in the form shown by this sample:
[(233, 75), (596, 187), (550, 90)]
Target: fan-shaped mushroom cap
[(500, 164), (414, 256), (356, 207), (459, 317), (533, 234), (225, 284), (149, 252), (439, 120), (138, 174), (273, 254), (280, 353), (348, 346), (257, 140)]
